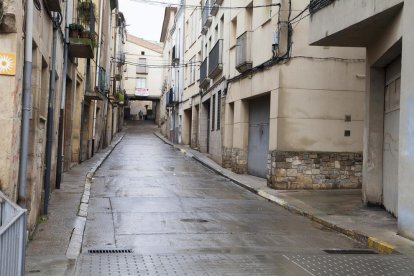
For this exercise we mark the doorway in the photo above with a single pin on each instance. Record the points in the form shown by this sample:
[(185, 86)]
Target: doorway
[(258, 147)]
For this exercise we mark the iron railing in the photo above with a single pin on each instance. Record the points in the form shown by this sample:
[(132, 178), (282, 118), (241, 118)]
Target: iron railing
[(102, 81), (170, 98), (316, 5), (243, 52), (215, 60), (12, 237), (206, 14), (203, 73)]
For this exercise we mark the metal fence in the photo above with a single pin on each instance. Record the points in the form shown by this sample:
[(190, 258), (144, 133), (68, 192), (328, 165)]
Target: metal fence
[(203, 70), (316, 5), (12, 238)]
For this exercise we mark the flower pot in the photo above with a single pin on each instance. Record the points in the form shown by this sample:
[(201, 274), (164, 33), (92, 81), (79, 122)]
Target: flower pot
[(85, 34), (74, 33)]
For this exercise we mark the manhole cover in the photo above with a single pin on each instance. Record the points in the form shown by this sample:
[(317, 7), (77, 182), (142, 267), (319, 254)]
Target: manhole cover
[(195, 220)]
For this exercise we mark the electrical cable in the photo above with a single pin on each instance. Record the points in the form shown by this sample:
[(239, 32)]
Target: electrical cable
[(167, 4)]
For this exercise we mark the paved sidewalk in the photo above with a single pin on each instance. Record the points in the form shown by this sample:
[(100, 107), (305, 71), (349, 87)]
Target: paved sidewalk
[(56, 242), (341, 210)]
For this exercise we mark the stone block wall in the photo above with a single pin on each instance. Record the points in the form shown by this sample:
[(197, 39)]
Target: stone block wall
[(239, 161), (227, 158), (314, 170)]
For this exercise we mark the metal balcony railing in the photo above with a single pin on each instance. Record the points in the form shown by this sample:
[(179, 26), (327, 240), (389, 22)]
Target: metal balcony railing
[(103, 81), (96, 90), (215, 60), (243, 52), (316, 5), (120, 58), (204, 80), (12, 237), (170, 98), (205, 16)]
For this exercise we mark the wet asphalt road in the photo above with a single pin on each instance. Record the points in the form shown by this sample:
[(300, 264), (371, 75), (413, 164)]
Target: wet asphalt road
[(180, 218)]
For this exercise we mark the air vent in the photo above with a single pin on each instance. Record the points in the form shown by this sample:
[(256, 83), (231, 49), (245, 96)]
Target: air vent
[(350, 251), (109, 251)]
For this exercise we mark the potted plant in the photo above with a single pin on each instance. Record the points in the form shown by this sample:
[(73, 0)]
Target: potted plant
[(75, 29), (86, 10), (85, 34)]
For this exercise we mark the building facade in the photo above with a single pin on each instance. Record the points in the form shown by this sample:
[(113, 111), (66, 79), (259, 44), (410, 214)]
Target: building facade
[(143, 80), (267, 103), (69, 82), (383, 29)]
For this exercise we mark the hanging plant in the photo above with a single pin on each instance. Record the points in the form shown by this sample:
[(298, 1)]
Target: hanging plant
[(75, 30)]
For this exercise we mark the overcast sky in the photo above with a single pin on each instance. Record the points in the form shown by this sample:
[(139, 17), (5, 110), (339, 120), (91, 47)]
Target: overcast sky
[(144, 20)]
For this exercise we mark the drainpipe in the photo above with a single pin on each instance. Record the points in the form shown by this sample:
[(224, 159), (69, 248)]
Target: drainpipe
[(26, 108), (50, 111), (82, 129), (98, 63), (62, 101)]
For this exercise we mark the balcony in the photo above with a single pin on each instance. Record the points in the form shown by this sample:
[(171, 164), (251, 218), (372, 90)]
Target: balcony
[(120, 58), (215, 60), (316, 5), (82, 35), (96, 90), (243, 52), (170, 98), (214, 10), (206, 18), (350, 23), (204, 80), (53, 5), (175, 58)]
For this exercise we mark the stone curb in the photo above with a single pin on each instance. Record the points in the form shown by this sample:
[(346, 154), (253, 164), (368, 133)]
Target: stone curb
[(371, 242), (75, 243)]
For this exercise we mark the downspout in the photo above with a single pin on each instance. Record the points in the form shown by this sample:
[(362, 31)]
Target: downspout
[(98, 62), (49, 132), (82, 128), (62, 100), (26, 108)]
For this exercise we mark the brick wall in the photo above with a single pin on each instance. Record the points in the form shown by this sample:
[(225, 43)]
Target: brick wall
[(314, 170)]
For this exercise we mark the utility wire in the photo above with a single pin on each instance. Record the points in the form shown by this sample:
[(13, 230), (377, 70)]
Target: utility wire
[(167, 4)]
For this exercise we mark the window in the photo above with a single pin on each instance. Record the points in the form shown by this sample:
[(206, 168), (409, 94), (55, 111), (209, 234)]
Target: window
[(221, 34), (142, 66), (193, 66), (213, 113), (141, 83), (143, 53), (218, 109), (233, 33)]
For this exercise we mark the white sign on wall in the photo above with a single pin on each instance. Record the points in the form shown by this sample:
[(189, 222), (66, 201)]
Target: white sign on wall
[(143, 92)]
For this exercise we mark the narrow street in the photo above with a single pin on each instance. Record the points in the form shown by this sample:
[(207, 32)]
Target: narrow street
[(179, 218)]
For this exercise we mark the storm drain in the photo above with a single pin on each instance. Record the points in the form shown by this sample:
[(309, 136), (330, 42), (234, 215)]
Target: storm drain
[(109, 251), (195, 220), (350, 251)]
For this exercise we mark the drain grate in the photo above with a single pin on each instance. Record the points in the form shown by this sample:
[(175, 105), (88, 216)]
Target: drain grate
[(350, 251), (109, 251), (195, 220)]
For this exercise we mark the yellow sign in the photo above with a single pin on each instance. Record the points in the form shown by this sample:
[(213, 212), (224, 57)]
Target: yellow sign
[(7, 64)]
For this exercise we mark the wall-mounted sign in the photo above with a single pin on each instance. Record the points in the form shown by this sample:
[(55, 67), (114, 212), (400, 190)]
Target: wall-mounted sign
[(143, 92), (7, 64)]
